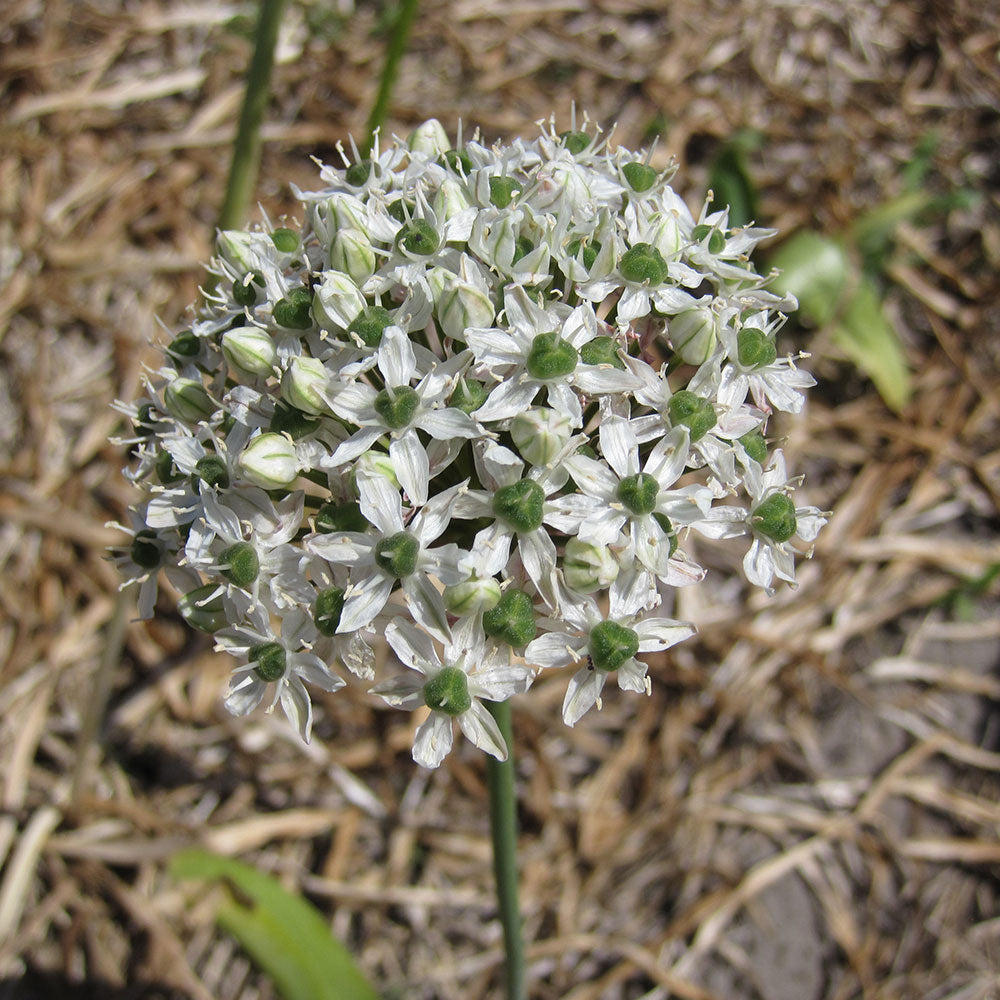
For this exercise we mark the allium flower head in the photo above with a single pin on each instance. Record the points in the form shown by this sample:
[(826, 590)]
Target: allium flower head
[(474, 403)]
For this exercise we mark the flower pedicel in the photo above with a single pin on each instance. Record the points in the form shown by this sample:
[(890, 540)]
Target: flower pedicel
[(475, 405)]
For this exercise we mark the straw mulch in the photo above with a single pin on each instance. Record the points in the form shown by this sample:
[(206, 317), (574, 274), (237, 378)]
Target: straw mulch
[(806, 806)]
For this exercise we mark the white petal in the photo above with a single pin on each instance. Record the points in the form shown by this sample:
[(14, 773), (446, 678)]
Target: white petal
[(657, 634), (347, 548), (244, 694), (426, 604), (367, 598), (501, 682), (412, 467), (584, 689), (632, 676), (448, 423), (403, 691), (554, 649), (295, 701), (481, 728), (357, 444), (619, 446), (507, 400), (758, 565), (433, 740), (395, 357), (593, 477), (380, 502), (413, 647), (538, 554)]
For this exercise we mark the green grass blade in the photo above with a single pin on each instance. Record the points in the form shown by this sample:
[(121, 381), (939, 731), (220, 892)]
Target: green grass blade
[(868, 339), (404, 18), (814, 269), (283, 933), (729, 179)]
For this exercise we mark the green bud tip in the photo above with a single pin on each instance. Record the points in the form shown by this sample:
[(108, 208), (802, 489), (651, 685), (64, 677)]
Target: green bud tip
[(288, 420), (502, 190), (522, 247), (240, 564), (448, 692), (775, 517), (418, 237), (638, 493), (370, 324), (244, 292), (643, 264), (185, 345), (611, 645), (468, 396), (755, 349), (458, 160), (212, 470), (166, 471), (144, 552), (396, 406), (520, 505), (601, 351), (575, 142), (695, 413), (397, 554), (639, 176), (269, 660), (668, 529), (333, 517), (285, 240), (329, 608), (755, 446), (590, 251), (551, 357), (294, 312), (716, 241), (512, 620), (357, 173)]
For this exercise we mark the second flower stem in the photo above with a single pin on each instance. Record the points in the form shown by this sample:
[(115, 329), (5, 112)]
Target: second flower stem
[(503, 829)]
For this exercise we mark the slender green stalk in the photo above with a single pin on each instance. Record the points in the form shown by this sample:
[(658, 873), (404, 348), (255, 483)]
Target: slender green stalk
[(394, 53), (503, 828), (246, 148)]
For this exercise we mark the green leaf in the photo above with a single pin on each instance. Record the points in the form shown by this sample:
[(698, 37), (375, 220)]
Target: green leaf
[(873, 232), (813, 269), (729, 178), (284, 934), (863, 333)]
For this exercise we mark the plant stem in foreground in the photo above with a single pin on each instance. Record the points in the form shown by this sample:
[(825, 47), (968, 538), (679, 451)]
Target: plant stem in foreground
[(246, 148), (503, 829), (394, 53)]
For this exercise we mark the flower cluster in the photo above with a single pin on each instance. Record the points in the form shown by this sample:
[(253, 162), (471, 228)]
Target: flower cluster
[(475, 404)]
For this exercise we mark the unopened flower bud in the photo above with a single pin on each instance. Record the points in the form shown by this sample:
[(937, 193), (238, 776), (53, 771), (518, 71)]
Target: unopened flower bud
[(377, 463), (234, 246), (473, 595), (186, 399), (540, 434), (693, 334), (339, 211), (588, 567), (462, 305), (429, 138), (250, 351), (337, 301), (303, 383), (351, 252), (269, 462), (450, 199), (204, 609)]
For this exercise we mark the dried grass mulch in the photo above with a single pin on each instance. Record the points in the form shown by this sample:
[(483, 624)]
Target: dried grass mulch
[(806, 806)]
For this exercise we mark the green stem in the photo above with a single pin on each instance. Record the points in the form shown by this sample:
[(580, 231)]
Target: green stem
[(246, 148), (503, 829), (394, 53)]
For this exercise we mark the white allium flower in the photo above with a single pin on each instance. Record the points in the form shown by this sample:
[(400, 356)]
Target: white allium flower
[(480, 393), (451, 687)]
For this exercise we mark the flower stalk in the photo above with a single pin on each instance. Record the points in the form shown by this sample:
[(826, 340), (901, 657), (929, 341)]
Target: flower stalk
[(503, 831)]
